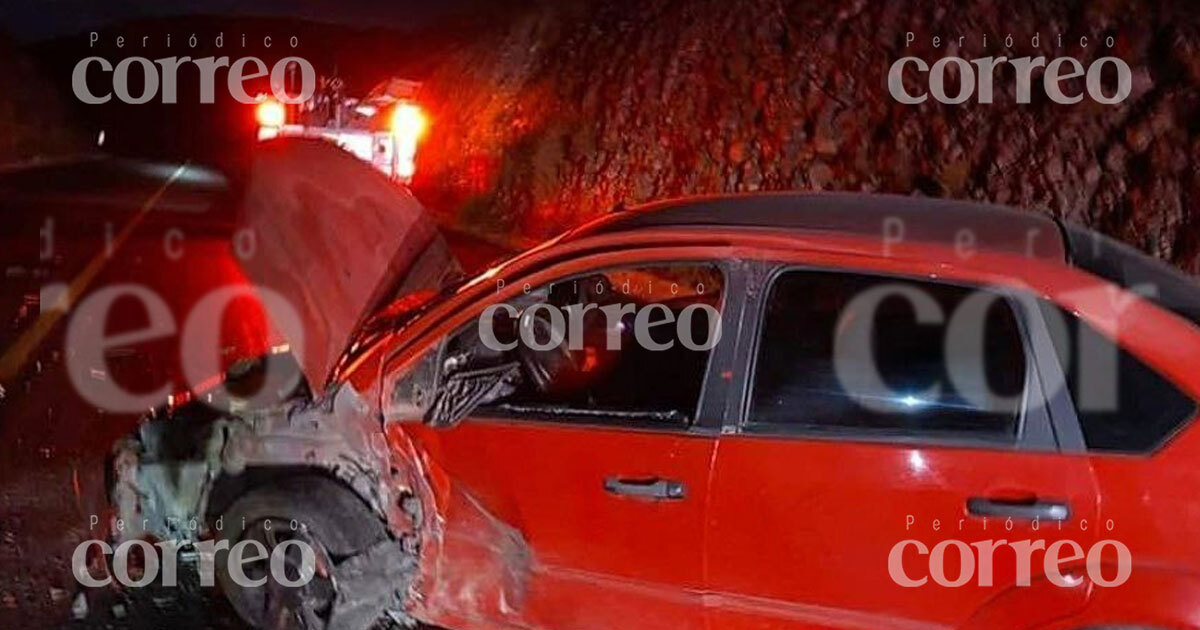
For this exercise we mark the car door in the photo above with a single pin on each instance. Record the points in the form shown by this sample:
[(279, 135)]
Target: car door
[(596, 492), (893, 428)]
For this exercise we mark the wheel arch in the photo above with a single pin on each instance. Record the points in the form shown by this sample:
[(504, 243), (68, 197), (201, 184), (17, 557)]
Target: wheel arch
[(228, 487)]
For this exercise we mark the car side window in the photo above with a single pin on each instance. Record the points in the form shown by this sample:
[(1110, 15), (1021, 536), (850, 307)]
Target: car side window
[(633, 346), (873, 354), (1123, 405)]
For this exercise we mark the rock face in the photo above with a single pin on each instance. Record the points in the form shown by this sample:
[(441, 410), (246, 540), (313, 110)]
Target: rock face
[(566, 109)]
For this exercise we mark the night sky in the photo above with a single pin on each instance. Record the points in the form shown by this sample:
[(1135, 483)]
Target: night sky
[(34, 20)]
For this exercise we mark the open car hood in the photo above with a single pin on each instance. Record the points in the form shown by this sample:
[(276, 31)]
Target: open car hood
[(332, 238)]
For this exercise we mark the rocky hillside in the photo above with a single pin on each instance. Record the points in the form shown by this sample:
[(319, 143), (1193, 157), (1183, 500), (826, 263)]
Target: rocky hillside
[(567, 108)]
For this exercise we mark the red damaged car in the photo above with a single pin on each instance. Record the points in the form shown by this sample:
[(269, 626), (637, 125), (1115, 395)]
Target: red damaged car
[(842, 411)]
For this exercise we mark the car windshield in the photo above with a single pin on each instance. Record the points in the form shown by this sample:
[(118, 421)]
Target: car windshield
[(1129, 268)]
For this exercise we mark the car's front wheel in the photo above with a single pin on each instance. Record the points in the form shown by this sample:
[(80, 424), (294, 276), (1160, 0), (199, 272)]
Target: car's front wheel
[(287, 519)]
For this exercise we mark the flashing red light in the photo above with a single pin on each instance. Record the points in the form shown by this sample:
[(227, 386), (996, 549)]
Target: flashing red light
[(409, 122), (408, 126), (270, 113)]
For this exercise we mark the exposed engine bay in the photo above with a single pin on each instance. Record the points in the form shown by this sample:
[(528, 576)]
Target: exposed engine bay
[(179, 476)]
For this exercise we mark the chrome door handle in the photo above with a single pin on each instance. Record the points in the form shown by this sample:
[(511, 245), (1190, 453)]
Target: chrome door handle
[(1025, 510), (646, 488)]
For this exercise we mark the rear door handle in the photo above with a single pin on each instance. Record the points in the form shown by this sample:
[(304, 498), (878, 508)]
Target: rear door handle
[(1022, 509), (646, 488)]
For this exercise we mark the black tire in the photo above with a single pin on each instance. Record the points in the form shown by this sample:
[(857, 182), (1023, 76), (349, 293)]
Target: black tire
[(333, 520)]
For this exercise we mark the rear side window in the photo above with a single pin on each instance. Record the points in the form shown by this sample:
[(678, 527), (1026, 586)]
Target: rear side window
[(1123, 405), (841, 351)]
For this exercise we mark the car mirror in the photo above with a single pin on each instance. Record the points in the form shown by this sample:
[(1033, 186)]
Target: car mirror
[(462, 392), (409, 394)]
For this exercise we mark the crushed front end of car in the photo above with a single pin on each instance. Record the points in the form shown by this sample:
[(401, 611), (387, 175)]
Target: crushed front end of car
[(278, 449)]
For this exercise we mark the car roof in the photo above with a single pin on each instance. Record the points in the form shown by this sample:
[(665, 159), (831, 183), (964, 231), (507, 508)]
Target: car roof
[(891, 217), (923, 220)]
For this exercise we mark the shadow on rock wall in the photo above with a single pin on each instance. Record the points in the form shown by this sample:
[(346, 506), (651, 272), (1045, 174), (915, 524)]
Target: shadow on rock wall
[(567, 109)]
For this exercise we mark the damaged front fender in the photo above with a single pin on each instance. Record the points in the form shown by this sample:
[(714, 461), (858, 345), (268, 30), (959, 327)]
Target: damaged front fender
[(180, 474), (172, 478)]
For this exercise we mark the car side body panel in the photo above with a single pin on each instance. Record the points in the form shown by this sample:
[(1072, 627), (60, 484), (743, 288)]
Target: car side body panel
[(1145, 331), (547, 482)]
